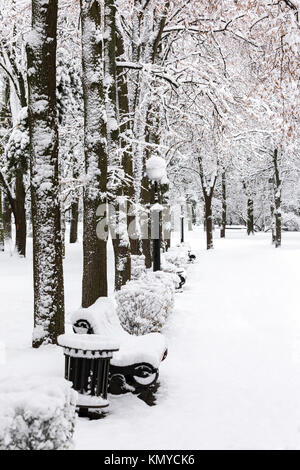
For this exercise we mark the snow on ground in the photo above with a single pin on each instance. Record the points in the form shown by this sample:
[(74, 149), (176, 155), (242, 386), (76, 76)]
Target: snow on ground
[(232, 377)]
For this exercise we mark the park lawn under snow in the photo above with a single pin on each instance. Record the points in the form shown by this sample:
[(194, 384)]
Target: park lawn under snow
[(232, 377)]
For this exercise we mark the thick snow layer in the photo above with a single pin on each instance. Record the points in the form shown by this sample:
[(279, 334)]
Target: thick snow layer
[(156, 168), (87, 342), (36, 413), (231, 379), (132, 349), (39, 394)]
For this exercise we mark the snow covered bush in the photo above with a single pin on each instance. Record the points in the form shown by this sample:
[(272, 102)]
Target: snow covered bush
[(36, 414), (290, 222), (172, 269), (138, 267), (144, 305), (177, 256)]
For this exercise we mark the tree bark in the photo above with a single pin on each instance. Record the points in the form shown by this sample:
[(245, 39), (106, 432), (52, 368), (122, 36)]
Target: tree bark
[(94, 281), (74, 221), (277, 199), (1, 224), (7, 212), (224, 207), (208, 222), (127, 163), (272, 223), (189, 216), (47, 246), (118, 221), (147, 196), (20, 215), (250, 217)]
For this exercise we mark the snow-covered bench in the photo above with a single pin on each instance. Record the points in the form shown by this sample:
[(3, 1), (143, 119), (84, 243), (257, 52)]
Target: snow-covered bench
[(135, 367)]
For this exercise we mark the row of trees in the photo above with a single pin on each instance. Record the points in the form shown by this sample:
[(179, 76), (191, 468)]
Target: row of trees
[(212, 87)]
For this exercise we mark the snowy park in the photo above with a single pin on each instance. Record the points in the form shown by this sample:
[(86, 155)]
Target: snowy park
[(149, 227), (231, 377)]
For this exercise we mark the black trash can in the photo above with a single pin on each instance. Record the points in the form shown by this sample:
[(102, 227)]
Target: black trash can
[(87, 361)]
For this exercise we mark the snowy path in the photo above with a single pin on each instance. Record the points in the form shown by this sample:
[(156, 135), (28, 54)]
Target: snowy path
[(232, 378)]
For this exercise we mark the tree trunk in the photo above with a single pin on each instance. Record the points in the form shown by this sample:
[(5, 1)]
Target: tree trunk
[(272, 223), (47, 246), (127, 164), (121, 249), (194, 213), (250, 217), (20, 216), (166, 217), (74, 221), (224, 207), (189, 216), (7, 212), (1, 225), (94, 282), (118, 221), (277, 199), (147, 195), (209, 222)]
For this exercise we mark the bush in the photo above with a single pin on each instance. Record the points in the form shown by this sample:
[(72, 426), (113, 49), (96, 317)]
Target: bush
[(177, 256), (144, 305), (290, 222), (138, 268), (36, 414)]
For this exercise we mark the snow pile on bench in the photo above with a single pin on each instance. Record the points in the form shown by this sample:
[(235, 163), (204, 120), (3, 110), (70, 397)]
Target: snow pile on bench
[(144, 305), (104, 321), (36, 414)]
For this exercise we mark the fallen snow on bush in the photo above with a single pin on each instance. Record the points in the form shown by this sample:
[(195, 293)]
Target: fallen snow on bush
[(36, 414), (177, 255), (138, 267), (144, 305)]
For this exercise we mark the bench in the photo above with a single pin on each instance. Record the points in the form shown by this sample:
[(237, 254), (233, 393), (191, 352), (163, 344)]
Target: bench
[(135, 367)]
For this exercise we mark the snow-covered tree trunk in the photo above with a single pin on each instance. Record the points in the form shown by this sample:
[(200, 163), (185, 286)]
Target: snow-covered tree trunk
[(1, 224), (47, 246), (208, 221), (189, 216), (224, 207), (118, 217), (272, 222), (208, 192), (125, 127), (20, 214), (6, 218), (277, 199), (74, 221), (94, 282), (250, 216)]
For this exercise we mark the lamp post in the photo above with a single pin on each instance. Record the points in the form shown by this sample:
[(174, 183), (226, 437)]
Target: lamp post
[(156, 170), (156, 238), (182, 202)]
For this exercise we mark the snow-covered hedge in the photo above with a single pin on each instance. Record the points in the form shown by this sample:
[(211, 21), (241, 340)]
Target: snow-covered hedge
[(138, 267), (144, 305), (290, 222), (177, 255), (36, 414)]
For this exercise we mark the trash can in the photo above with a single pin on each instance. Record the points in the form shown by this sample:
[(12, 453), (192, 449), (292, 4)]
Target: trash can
[(87, 361)]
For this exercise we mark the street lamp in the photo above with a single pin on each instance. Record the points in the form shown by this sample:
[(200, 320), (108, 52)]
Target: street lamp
[(156, 171)]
